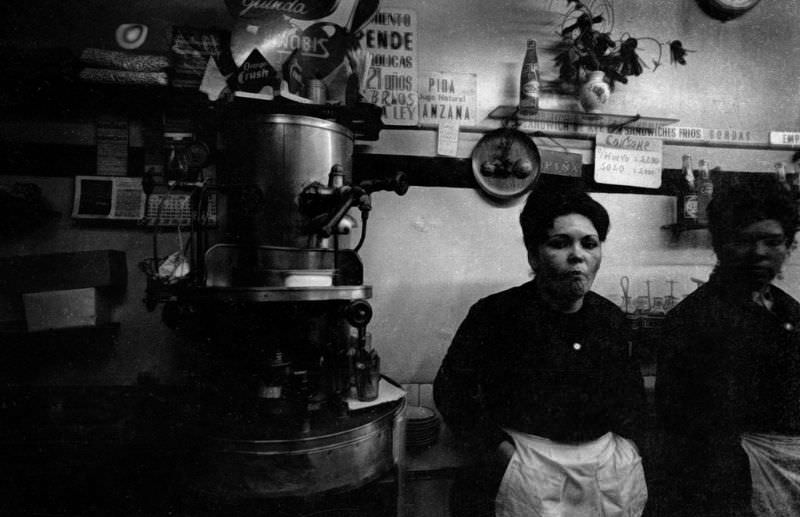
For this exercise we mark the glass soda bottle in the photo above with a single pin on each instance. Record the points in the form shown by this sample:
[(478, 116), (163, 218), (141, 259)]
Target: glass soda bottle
[(529, 83), (705, 191), (688, 198)]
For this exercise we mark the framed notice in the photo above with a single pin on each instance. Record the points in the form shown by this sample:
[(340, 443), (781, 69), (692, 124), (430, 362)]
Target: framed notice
[(108, 197), (629, 160)]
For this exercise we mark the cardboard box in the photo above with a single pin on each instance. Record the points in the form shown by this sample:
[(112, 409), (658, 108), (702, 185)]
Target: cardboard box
[(68, 308)]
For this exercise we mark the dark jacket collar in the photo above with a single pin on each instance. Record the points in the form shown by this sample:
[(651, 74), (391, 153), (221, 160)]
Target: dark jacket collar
[(742, 295)]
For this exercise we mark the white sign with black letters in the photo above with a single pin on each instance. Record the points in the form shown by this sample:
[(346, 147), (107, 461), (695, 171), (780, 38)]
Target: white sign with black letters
[(448, 96), (629, 160), (784, 138), (391, 84)]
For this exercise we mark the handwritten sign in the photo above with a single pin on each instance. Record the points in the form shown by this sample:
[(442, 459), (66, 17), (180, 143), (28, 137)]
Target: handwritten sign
[(391, 84), (447, 96), (629, 160)]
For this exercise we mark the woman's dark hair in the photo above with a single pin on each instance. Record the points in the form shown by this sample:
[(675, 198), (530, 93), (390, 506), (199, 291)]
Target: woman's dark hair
[(543, 206), (743, 203)]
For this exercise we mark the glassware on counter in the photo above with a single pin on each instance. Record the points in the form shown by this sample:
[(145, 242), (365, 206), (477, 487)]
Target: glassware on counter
[(367, 371)]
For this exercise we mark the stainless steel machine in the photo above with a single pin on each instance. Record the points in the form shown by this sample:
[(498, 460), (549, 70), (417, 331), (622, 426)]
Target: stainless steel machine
[(277, 309)]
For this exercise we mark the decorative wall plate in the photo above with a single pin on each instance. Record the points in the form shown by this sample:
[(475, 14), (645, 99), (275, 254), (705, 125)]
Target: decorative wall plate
[(505, 163)]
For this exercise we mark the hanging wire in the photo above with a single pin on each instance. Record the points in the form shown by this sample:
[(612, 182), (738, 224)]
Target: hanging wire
[(363, 232), (553, 140)]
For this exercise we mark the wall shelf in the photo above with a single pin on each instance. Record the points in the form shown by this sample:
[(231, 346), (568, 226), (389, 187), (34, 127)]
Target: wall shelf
[(573, 121), (678, 228)]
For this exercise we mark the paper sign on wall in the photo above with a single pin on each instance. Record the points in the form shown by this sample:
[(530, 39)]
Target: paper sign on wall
[(447, 96), (630, 160), (111, 135), (447, 139), (391, 84)]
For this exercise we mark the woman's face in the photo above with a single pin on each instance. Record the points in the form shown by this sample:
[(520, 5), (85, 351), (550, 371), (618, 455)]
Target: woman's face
[(567, 261), (756, 253)]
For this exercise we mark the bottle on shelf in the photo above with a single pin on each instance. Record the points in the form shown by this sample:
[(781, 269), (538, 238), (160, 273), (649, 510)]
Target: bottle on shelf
[(529, 83), (705, 191), (780, 171), (687, 198), (794, 185)]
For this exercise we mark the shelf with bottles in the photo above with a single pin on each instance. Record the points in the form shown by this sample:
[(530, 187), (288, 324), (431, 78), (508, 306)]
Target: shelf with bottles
[(694, 191)]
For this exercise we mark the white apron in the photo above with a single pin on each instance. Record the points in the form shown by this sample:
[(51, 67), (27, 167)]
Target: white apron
[(775, 473), (602, 478)]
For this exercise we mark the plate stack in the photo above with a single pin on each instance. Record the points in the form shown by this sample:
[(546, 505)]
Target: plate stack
[(422, 427)]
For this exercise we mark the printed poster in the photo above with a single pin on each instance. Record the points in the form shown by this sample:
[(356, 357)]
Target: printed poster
[(448, 96), (391, 83)]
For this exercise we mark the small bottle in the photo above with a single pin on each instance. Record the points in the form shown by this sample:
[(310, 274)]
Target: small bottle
[(529, 83), (705, 191), (274, 391), (780, 171), (316, 91), (794, 186), (368, 370), (688, 198)]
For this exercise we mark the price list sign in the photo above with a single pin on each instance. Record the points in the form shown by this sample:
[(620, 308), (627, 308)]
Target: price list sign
[(629, 160)]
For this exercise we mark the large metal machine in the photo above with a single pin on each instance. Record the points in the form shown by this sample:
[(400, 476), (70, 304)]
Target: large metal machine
[(277, 311)]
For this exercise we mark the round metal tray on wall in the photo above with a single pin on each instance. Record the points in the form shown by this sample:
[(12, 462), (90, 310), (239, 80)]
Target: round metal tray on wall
[(505, 163)]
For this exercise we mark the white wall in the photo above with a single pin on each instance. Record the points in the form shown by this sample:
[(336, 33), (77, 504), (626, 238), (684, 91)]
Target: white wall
[(743, 73)]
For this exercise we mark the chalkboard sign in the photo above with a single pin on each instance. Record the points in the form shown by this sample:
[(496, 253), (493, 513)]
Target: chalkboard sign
[(630, 160)]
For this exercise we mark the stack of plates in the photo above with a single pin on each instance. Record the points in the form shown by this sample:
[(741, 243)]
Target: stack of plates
[(422, 427)]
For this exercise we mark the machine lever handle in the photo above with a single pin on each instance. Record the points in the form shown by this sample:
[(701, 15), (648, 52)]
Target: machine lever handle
[(397, 184)]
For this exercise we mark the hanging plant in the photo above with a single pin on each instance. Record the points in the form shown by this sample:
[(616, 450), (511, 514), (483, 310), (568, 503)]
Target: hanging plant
[(587, 45)]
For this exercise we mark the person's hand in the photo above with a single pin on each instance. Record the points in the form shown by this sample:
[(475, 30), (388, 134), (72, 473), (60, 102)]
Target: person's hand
[(502, 455)]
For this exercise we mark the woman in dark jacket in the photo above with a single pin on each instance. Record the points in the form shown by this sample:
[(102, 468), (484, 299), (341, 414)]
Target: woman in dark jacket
[(540, 380), (728, 365)]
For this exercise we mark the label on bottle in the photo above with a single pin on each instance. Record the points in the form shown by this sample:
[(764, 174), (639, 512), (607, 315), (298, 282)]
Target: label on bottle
[(270, 392), (690, 207), (531, 88)]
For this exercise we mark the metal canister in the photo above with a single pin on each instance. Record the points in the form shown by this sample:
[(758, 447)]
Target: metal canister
[(270, 159), (316, 91)]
